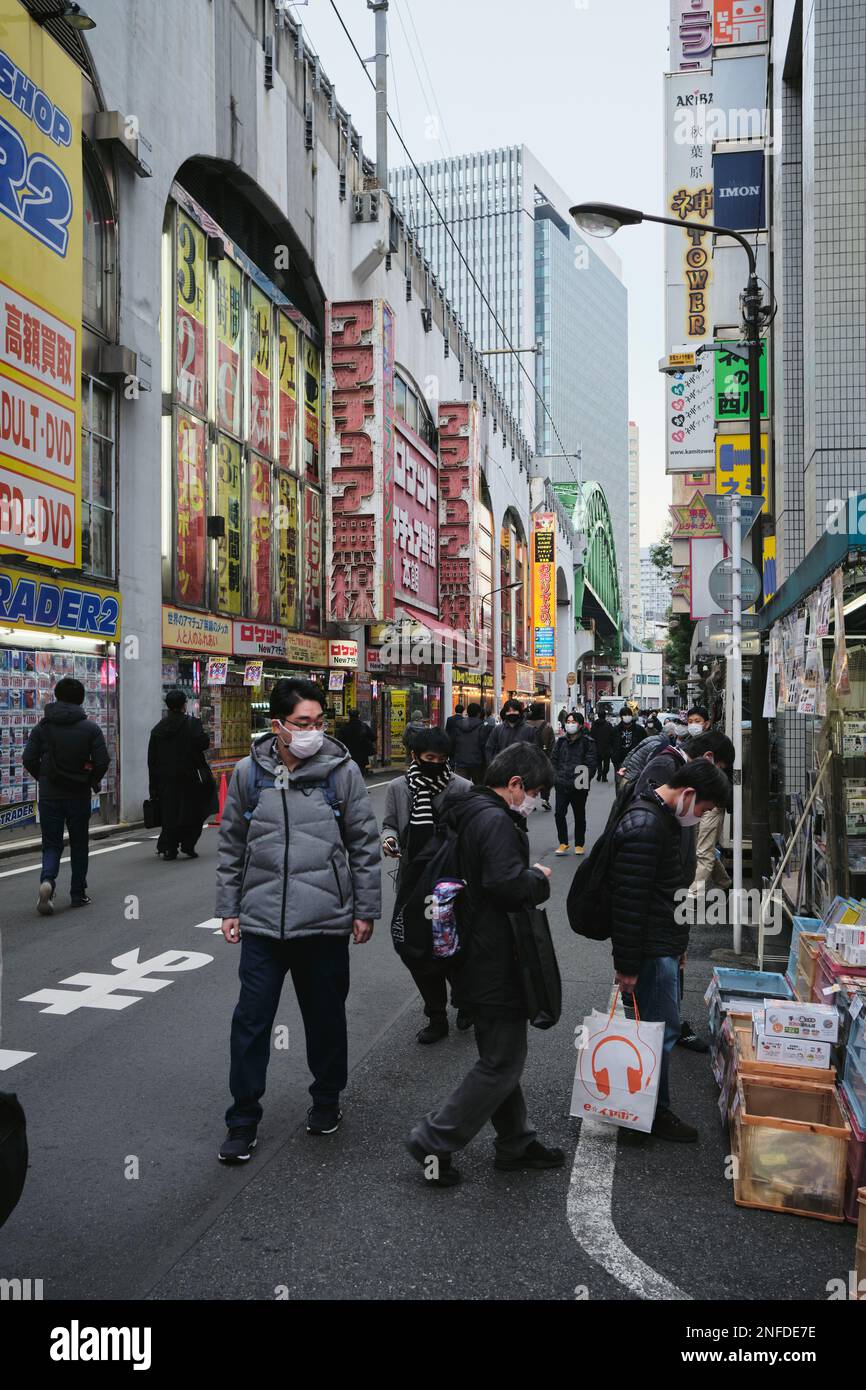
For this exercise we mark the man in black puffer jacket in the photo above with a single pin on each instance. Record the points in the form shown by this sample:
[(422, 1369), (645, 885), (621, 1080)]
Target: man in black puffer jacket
[(649, 932), (575, 761)]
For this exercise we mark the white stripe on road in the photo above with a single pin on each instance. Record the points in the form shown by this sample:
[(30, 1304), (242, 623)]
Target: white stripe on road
[(213, 924), (30, 868), (10, 1059)]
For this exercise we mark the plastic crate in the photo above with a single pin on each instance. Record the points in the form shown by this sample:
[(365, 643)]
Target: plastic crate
[(830, 969), (763, 984), (808, 947), (855, 1177), (791, 1141), (801, 924), (854, 1086)]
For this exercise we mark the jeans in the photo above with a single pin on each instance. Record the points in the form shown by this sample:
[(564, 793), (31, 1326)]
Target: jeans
[(73, 812), (577, 801), (490, 1091), (658, 999), (320, 974)]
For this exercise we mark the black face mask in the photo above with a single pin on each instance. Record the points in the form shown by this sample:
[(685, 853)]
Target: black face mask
[(512, 718)]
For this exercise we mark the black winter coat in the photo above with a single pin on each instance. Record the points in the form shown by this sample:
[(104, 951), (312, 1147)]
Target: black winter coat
[(468, 740), (625, 737), (644, 878), (74, 741), (602, 732), (503, 735), (659, 770), (570, 754), (494, 860), (175, 753), (359, 739)]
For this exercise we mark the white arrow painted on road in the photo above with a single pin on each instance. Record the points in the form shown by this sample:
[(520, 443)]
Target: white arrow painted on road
[(9, 1059), (213, 924)]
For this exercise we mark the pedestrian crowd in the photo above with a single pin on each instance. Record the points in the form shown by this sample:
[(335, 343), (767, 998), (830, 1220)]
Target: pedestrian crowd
[(299, 877)]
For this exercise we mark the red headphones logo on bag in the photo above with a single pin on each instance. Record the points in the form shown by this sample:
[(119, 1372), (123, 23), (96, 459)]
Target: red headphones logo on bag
[(635, 1080)]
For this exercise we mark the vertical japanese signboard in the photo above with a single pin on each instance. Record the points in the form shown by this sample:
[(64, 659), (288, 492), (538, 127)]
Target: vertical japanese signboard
[(459, 465), (416, 526), (544, 591), (287, 549), (312, 410), (312, 560), (40, 293), (191, 552), (691, 35), (229, 508), (261, 388), (288, 392), (190, 313), (229, 307), (359, 371), (260, 537), (732, 381)]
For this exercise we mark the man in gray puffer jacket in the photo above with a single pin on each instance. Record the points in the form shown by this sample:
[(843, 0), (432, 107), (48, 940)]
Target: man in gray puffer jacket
[(298, 874)]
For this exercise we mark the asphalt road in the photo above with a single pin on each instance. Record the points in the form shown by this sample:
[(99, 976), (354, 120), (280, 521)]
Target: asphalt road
[(125, 1198)]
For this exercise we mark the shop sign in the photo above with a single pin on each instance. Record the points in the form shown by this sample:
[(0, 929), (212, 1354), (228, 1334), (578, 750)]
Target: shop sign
[(342, 654), (260, 427), (734, 465), (416, 525), (312, 558), (732, 381), (459, 467), (519, 677), (259, 639), (191, 484), (306, 651), (544, 591), (768, 580), (359, 366), (229, 314), (24, 814), (374, 660), (229, 507), (195, 632), (287, 549), (217, 670), (691, 519), (691, 35), (462, 677), (253, 672), (742, 22), (336, 679), (42, 605), (40, 301), (190, 308), (288, 391), (739, 184)]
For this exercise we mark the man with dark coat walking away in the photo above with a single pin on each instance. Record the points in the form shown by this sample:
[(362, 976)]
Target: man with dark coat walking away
[(66, 752), (469, 745), (513, 729), (359, 739), (414, 805), (602, 733), (649, 936), (626, 736), (180, 779), (575, 761), (494, 861)]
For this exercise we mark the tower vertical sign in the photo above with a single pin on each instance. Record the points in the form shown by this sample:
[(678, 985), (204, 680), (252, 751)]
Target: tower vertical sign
[(544, 591)]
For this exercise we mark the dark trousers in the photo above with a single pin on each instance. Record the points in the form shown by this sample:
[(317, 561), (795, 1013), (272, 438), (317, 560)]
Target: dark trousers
[(183, 837), (73, 812), (603, 766), (432, 978), (490, 1091), (577, 802), (320, 973)]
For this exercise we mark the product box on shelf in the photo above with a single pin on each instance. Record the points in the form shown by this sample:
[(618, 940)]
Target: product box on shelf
[(830, 971), (855, 1175), (748, 1062), (791, 1141), (819, 1022), (812, 925)]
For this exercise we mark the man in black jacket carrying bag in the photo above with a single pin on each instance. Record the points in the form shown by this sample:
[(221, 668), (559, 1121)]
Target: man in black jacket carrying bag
[(649, 938), (66, 752), (487, 981), (179, 776)]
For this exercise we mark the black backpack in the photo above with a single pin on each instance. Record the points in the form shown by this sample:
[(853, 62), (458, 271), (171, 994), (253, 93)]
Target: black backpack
[(588, 905), (411, 924), (13, 1153)]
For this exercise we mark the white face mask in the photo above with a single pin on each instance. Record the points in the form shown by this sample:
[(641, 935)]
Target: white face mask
[(528, 805), (680, 730), (304, 742), (626, 719), (696, 727), (687, 817), (570, 727)]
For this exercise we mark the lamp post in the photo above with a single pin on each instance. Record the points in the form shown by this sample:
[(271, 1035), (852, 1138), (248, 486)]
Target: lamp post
[(603, 219), (497, 644)]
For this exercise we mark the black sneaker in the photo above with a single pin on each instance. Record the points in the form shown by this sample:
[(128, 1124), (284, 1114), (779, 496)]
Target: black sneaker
[(323, 1119), (464, 1021), (238, 1145), (666, 1125), (690, 1041), (191, 853), (45, 901), (434, 1031), (439, 1171), (535, 1156), (81, 902)]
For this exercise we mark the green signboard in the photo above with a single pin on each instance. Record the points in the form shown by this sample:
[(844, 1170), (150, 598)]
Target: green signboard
[(732, 381)]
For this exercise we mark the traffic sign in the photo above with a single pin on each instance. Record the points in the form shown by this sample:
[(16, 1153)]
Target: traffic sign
[(720, 506), (722, 583)]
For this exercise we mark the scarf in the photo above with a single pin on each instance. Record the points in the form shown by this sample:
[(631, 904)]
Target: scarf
[(423, 786)]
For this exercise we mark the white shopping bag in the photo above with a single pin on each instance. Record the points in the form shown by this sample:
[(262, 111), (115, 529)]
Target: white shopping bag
[(618, 1070)]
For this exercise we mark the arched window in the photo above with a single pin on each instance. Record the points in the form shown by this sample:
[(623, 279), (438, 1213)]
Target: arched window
[(98, 255)]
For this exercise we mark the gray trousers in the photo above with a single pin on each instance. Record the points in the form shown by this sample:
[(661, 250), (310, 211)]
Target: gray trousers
[(491, 1091)]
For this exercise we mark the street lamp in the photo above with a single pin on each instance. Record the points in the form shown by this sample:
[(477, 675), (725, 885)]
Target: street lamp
[(73, 15), (603, 219), (497, 652)]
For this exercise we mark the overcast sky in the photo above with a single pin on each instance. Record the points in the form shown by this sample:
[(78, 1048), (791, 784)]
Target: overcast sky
[(580, 83)]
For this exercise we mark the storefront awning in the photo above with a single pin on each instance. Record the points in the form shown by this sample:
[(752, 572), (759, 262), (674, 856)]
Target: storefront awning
[(848, 534), (450, 637)]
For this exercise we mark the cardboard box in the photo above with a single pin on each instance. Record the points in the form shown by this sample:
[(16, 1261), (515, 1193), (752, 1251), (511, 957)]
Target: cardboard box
[(792, 1052), (855, 955), (819, 1022)]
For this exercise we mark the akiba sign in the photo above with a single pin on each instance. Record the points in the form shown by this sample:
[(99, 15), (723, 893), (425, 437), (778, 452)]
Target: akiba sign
[(739, 190), (28, 601)]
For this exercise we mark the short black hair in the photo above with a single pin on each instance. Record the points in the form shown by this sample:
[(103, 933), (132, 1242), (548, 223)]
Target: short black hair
[(70, 691), (430, 741), (707, 780), (458, 709), (536, 712), (175, 699), (474, 711), (353, 714), (698, 710), (523, 761), (512, 706), (716, 743), (287, 694)]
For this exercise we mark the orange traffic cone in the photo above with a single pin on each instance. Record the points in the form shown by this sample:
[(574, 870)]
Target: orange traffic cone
[(224, 789)]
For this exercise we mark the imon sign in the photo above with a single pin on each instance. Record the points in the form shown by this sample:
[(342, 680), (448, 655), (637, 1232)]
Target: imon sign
[(416, 524), (544, 591), (40, 293)]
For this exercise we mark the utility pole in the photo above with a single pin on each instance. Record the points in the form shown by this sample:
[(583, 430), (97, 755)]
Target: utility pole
[(380, 9)]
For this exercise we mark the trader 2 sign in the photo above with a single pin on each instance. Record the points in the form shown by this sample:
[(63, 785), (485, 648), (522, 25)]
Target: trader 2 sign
[(544, 591)]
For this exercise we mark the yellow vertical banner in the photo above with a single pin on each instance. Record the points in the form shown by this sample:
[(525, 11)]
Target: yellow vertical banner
[(40, 293), (544, 591)]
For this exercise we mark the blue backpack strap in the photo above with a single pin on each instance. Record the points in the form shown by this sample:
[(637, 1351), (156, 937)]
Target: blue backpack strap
[(256, 779), (329, 792)]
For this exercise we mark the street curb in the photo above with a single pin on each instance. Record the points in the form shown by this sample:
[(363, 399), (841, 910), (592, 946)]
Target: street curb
[(99, 832)]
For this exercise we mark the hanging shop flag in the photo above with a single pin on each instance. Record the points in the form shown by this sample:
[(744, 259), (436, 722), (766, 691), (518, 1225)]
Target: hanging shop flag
[(740, 195), (253, 672), (40, 305), (190, 475), (229, 318), (217, 670), (288, 392), (190, 313), (261, 388), (544, 591), (734, 465), (228, 506), (732, 381)]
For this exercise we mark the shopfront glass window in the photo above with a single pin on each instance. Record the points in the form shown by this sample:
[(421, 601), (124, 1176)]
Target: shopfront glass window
[(97, 487), (95, 255)]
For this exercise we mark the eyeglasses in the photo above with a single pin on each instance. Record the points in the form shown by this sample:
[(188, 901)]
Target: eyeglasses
[(302, 725)]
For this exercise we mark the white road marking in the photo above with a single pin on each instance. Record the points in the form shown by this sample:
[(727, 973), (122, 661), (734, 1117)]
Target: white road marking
[(99, 990), (9, 1059), (31, 868), (213, 924)]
